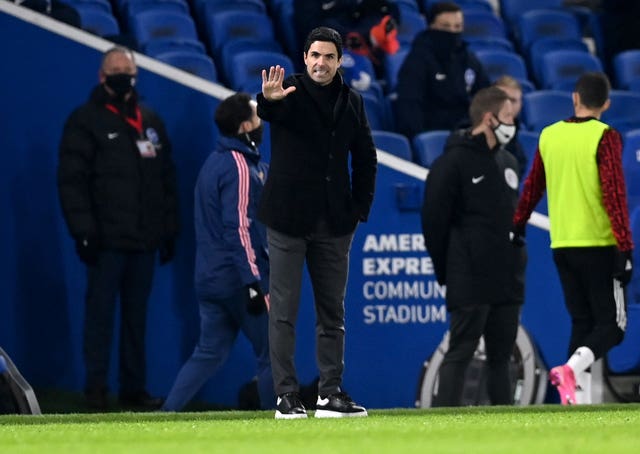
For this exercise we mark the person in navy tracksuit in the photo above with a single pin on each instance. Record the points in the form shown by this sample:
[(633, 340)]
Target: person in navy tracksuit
[(231, 267)]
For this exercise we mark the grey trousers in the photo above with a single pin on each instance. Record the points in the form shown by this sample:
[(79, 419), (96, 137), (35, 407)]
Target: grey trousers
[(327, 259)]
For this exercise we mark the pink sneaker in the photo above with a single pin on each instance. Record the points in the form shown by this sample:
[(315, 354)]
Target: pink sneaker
[(563, 379)]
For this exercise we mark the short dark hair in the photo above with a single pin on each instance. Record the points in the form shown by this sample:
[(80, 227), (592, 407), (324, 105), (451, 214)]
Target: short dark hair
[(324, 34), (232, 112), (593, 89), (488, 99), (439, 8)]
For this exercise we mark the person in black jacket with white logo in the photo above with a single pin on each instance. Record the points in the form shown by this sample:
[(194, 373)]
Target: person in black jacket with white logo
[(117, 187), (471, 194)]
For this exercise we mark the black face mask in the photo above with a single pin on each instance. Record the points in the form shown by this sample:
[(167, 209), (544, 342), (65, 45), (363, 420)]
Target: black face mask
[(252, 138), (446, 42), (121, 84)]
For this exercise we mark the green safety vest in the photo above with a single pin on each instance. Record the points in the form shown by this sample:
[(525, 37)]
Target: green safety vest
[(577, 214)]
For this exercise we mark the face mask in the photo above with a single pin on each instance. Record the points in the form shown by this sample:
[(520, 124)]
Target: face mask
[(253, 137), (504, 133), (121, 84), (446, 41)]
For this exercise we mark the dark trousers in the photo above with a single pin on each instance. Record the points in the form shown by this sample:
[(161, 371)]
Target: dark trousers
[(499, 326), (327, 259), (129, 275), (220, 322), (596, 302)]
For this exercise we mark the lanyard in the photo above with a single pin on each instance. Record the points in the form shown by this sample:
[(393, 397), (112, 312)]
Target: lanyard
[(136, 122)]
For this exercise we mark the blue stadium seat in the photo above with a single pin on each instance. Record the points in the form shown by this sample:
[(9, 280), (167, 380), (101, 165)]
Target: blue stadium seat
[(97, 21), (246, 68), (392, 65), (377, 114), (133, 7), (207, 7), (411, 23), (483, 25), (159, 46), (497, 63), (511, 10), (539, 24), (631, 165), (624, 111), (195, 63), (562, 68), (540, 47), (544, 107), (465, 5), (102, 5), (149, 25), (393, 143), (626, 68), (478, 45), (231, 48), (358, 73), (232, 25), (429, 145)]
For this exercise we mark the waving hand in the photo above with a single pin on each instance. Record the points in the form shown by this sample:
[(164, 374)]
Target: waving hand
[(272, 84)]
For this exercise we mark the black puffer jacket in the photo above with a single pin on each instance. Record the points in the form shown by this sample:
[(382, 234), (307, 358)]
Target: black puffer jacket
[(107, 190), (470, 196)]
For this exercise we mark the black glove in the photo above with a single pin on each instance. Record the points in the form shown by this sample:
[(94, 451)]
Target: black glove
[(167, 251), (516, 236), (87, 249), (256, 304), (622, 266)]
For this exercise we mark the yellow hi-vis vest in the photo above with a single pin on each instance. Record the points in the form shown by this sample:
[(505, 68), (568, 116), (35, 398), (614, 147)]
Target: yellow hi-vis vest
[(576, 211)]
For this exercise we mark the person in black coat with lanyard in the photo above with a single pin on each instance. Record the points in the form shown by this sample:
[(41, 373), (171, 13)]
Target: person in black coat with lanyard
[(311, 204), (470, 197), (117, 188)]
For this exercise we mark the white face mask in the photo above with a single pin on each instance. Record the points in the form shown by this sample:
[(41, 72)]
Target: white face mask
[(504, 133)]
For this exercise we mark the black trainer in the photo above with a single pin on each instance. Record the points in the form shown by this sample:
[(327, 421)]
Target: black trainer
[(289, 406), (338, 405)]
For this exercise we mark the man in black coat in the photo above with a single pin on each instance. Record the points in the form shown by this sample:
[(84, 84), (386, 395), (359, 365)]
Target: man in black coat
[(470, 197), (311, 204), (117, 187), (439, 76)]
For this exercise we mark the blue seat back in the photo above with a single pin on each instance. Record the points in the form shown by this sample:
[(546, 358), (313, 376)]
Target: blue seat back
[(626, 66), (544, 107), (540, 47), (394, 143), (482, 25), (497, 63), (97, 21), (538, 24), (246, 68), (149, 25), (226, 26), (562, 68), (195, 63), (429, 146)]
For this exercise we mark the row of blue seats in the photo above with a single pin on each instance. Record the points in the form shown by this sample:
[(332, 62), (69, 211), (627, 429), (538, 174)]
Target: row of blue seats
[(539, 109), (426, 147)]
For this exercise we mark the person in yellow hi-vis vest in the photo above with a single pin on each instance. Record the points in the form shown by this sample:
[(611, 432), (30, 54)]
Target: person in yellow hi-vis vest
[(579, 162)]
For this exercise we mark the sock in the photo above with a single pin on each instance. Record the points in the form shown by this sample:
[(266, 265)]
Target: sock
[(581, 359), (583, 388)]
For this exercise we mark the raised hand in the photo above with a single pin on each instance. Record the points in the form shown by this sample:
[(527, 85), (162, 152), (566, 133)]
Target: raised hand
[(272, 84)]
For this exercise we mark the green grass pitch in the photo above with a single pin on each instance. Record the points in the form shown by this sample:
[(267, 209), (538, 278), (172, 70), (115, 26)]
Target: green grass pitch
[(545, 429)]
